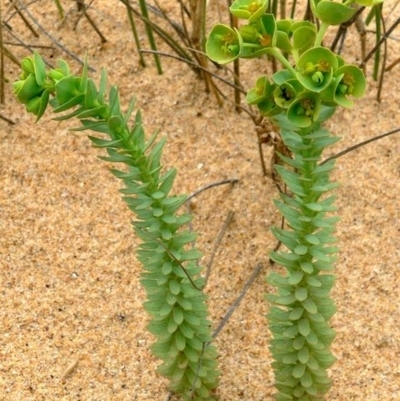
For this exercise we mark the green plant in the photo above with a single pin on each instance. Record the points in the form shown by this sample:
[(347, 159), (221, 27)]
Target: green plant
[(171, 277), (299, 98)]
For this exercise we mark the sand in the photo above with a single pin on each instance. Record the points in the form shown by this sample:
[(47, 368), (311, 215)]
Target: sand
[(72, 322)]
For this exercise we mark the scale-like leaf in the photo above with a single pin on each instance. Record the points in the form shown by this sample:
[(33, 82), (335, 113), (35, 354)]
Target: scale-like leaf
[(104, 143), (114, 104)]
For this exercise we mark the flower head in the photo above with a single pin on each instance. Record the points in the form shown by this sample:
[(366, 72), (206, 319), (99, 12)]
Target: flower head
[(350, 81), (263, 36), (224, 44), (263, 96), (286, 93), (305, 109), (34, 87), (251, 10), (315, 68), (260, 92)]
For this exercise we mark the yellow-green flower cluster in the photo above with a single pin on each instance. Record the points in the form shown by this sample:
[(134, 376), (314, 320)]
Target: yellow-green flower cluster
[(319, 79)]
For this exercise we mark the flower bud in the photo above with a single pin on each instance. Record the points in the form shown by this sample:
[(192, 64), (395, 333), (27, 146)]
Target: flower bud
[(56, 75), (27, 65), (33, 105), (27, 89), (305, 109), (224, 44), (315, 68), (249, 33)]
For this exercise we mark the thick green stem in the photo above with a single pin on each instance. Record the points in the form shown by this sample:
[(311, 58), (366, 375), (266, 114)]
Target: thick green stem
[(321, 33), (171, 278), (282, 59), (298, 100), (299, 319)]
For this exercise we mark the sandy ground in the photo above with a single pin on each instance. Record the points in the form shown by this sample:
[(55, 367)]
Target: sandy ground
[(71, 321)]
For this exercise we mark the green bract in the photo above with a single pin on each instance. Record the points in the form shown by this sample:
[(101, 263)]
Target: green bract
[(286, 93), (258, 37), (303, 36), (283, 42), (305, 109), (284, 25), (266, 35), (263, 96), (261, 91), (251, 10), (38, 105), (332, 13), (27, 89), (262, 33), (351, 82), (368, 3), (315, 68), (268, 107), (67, 89), (27, 66), (39, 69), (282, 76), (283, 35), (224, 44), (249, 33)]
